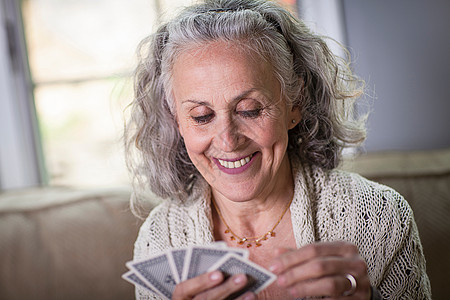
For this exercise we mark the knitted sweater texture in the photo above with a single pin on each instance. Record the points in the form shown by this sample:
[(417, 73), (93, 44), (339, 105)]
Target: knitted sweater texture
[(327, 206)]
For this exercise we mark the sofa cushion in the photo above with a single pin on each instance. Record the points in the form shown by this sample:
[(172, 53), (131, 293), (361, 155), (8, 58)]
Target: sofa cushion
[(60, 243)]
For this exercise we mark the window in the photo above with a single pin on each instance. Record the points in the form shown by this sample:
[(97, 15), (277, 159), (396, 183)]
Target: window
[(81, 55)]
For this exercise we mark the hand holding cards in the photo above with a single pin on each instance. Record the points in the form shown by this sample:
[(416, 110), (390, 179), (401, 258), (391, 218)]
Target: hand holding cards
[(162, 272)]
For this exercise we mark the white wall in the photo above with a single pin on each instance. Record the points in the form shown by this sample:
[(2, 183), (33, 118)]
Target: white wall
[(402, 49)]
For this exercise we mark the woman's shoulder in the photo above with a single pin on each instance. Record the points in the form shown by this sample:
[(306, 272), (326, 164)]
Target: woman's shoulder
[(371, 215), (338, 190), (358, 188), (163, 213), (366, 201), (171, 209), (168, 214), (348, 198), (153, 234), (172, 224)]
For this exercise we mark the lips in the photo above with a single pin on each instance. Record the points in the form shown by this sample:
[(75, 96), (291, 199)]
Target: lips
[(233, 164), (237, 165)]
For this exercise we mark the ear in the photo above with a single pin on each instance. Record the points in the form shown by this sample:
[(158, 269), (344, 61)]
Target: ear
[(294, 116)]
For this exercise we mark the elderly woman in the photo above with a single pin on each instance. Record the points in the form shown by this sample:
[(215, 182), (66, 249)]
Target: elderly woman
[(239, 118)]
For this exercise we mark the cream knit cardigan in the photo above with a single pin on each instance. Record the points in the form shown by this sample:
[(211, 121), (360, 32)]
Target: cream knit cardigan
[(327, 206)]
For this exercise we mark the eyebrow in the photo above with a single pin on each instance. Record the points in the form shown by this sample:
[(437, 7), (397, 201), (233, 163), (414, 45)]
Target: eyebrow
[(236, 98)]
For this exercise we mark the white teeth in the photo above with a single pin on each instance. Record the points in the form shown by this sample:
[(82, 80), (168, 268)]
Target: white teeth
[(235, 164)]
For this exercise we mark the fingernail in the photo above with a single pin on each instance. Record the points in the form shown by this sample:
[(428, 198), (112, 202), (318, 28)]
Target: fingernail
[(239, 279), (249, 297), (274, 267), (214, 276)]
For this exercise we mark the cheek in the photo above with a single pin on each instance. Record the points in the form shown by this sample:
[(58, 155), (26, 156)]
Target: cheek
[(195, 138), (273, 135), (196, 142), (197, 145)]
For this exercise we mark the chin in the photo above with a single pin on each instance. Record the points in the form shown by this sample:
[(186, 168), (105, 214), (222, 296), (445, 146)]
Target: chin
[(235, 194)]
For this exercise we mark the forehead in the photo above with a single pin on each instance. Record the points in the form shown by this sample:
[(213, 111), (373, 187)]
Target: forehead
[(219, 66)]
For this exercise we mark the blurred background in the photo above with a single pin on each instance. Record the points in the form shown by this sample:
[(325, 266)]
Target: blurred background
[(65, 81)]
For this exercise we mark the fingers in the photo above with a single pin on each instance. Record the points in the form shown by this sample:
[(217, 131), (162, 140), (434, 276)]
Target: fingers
[(247, 296), (333, 286), (288, 259), (211, 285), (279, 251), (230, 286), (320, 270), (190, 288)]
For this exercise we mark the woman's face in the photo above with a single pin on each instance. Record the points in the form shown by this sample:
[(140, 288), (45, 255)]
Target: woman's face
[(234, 121)]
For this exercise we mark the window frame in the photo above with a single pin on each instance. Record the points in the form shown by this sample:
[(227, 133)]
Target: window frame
[(21, 156)]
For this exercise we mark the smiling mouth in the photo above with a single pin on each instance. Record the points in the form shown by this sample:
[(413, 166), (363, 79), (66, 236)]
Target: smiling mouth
[(235, 164)]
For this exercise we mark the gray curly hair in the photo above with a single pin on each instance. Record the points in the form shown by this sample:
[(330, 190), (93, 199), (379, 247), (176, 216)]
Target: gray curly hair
[(312, 78)]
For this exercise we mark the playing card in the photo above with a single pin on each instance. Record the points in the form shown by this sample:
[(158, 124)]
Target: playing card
[(200, 258), (232, 264), (156, 273), (130, 276), (176, 262), (176, 259), (219, 244)]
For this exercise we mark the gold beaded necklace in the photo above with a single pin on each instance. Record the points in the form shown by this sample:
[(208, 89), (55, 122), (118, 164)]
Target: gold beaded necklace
[(250, 240)]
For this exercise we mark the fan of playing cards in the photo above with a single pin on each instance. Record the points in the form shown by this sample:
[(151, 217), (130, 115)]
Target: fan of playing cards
[(160, 273)]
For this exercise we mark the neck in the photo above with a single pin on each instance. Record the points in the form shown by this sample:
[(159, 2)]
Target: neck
[(246, 213)]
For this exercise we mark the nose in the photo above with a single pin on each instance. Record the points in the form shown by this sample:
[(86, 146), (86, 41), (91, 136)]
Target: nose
[(229, 136)]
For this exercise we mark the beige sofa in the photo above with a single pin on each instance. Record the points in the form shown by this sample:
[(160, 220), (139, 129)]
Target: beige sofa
[(59, 243)]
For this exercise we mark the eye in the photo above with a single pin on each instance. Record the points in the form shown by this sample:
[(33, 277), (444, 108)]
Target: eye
[(201, 114), (203, 119), (250, 114), (249, 108)]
